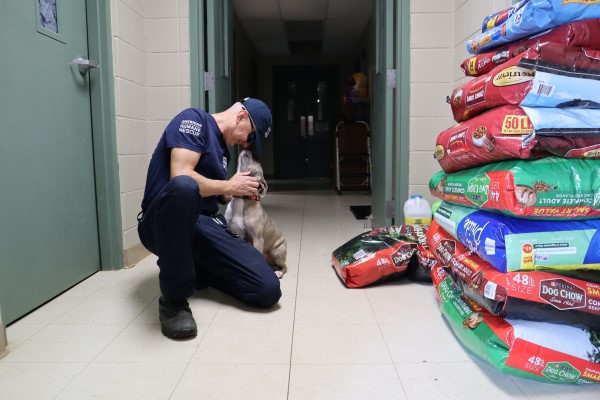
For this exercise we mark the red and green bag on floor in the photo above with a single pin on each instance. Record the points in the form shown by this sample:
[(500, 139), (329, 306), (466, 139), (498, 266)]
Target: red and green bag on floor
[(384, 254)]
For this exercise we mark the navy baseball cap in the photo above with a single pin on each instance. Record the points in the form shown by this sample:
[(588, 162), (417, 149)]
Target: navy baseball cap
[(261, 117)]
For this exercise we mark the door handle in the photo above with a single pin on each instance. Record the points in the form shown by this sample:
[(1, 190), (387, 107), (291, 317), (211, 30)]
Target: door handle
[(84, 64), (310, 125), (302, 126)]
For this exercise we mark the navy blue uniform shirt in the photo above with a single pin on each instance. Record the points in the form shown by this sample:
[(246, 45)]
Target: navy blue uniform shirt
[(195, 130)]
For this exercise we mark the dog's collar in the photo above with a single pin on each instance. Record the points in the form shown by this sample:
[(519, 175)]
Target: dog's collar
[(253, 197)]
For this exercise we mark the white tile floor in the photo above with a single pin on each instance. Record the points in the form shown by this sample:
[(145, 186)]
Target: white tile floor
[(101, 340)]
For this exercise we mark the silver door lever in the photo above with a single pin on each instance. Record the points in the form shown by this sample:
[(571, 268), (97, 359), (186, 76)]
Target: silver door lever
[(84, 64)]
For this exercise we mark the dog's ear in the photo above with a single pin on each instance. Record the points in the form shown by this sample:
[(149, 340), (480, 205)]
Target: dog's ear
[(262, 187)]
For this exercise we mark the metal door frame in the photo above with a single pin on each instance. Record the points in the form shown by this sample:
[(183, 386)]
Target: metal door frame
[(104, 136), (197, 53), (401, 109), (392, 90)]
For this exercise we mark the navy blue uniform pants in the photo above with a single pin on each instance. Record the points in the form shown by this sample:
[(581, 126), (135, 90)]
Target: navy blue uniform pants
[(192, 247)]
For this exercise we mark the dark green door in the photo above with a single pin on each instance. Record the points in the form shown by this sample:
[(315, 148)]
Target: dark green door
[(219, 50), (382, 120), (48, 220), (305, 114)]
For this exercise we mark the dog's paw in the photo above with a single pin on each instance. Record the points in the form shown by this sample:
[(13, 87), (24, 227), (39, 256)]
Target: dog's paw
[(279, 274)]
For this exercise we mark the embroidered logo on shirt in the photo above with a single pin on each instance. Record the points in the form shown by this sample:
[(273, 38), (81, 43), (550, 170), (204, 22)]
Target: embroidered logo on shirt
[(225, 163), (191, 127)]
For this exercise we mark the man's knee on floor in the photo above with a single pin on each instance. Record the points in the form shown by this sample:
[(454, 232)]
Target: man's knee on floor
[(266, 296)]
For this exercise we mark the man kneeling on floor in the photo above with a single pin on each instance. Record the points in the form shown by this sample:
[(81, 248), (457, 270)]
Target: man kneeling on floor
[(180, 223)]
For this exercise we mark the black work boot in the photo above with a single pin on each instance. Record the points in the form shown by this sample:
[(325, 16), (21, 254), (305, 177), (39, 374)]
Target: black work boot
[(176, 319)]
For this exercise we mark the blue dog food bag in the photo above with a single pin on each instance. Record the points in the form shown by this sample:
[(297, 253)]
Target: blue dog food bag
[(531, 17), (515, 244)]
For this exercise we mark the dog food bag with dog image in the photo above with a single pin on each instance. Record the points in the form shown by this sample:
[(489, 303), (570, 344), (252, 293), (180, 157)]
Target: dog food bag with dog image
[(531, 17), (531, 295), (380, 255), (548, 188), (541, 351), (515, 132), (548, 75), (502, 133), (498, 18), (584, 33)]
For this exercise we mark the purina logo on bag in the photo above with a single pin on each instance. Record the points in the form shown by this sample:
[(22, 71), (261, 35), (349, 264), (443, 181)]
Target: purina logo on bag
[(562, 294), (561, 371)]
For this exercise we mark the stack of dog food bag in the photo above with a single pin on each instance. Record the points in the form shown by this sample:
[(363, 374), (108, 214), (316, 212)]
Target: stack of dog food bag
[(518, 233)]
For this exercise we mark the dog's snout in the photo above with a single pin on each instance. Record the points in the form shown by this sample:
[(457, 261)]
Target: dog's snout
[(244, 161), (246, 156)]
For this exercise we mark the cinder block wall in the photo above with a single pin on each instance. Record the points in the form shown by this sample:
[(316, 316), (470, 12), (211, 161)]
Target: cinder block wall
[(435, 71), (152, 84)]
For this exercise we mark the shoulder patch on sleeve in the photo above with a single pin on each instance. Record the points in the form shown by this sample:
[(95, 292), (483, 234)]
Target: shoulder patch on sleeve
[(190, 127)]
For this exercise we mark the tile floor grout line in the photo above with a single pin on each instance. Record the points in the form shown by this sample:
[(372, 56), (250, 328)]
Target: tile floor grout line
[(296, 298), (89, 363), (387, 347), (189, 362), (72, 380)]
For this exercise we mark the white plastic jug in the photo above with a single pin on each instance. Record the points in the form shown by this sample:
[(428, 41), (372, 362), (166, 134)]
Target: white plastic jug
[(417, 210)]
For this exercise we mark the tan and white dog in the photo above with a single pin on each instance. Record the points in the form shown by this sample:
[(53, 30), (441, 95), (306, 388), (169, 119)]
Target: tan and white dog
[(247, 218)]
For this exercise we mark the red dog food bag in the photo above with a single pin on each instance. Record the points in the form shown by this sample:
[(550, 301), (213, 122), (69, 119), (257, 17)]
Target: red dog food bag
[(380, 255), (502, 133), (515, 132), (571, 147), (584, 33), (509, 83)]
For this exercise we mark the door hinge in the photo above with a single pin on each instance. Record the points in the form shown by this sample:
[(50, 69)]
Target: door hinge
[(391, 78), (209, 80), (390, 209)]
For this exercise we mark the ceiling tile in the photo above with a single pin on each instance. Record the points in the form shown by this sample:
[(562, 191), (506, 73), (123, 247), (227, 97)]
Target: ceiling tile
[(342, 37), (273, 47), (349, 30), (256, 9), (303, 10), (344, 9), (264, 30), (304, 30)]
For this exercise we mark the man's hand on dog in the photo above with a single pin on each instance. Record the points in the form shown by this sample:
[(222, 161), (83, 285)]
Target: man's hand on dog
[(242, 184)]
